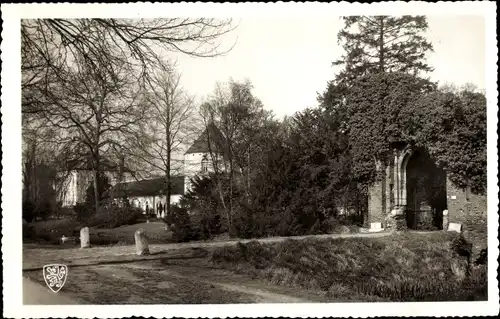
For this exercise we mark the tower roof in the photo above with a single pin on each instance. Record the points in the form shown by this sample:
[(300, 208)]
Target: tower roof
[(201, 144)]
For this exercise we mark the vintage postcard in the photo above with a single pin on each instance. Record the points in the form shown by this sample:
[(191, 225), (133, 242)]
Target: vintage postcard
[(249, 160)]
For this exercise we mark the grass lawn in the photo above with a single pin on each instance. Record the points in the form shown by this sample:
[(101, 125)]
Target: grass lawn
[(402, 267)]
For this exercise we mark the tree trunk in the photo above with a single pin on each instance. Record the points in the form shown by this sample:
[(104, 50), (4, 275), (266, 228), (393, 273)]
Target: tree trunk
[(168, 184), (96, 189), (230, 210), (248, 176), (381, 45), (168, 165), (96, 181)]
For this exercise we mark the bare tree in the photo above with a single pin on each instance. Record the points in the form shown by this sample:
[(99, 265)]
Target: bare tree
[(96, 107), (45, 164), (236, 115), (48, 46), (85, 76), (219, 156), (169, 127)]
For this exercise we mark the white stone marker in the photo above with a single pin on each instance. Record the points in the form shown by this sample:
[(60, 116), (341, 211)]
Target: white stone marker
[(84, 237), (455, 227), (375, 227), (141, 242)]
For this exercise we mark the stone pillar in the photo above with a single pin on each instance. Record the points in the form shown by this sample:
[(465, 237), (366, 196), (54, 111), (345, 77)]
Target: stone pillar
[(141, 242), (84, 237), (445, 220), (376, 198), (375, 208)]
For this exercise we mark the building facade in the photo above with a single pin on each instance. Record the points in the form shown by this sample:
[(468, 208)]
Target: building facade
[(149, 195)]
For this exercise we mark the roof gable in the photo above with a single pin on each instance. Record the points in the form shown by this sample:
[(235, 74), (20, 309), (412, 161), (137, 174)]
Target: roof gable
[(201, 145)]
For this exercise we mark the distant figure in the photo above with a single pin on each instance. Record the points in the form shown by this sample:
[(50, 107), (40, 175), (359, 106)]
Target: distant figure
[(147, 209), (160, 209)]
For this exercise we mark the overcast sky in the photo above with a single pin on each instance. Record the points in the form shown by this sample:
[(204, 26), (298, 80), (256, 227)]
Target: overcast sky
[(289, 60)]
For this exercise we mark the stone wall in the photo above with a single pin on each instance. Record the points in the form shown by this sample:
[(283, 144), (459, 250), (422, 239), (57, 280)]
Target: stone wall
[(467, 208), (380, 198)]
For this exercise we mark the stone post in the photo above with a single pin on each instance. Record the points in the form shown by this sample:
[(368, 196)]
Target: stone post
[(378, 199), (141, 242), (445, 220), (84, 237)]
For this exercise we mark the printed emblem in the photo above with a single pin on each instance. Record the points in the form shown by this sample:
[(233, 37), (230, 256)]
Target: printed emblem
[(55, 276)]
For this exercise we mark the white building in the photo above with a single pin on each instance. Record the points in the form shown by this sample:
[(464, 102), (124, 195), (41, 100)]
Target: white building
[(199, 158), (149, 194), (80, 176)]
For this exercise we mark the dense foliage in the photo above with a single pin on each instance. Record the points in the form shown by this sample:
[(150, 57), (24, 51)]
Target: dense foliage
[(112, 216), (381, 109), (309, 173), (452, 126)]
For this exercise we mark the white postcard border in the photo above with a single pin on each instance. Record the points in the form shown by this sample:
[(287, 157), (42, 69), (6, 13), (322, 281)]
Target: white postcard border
[(11, 160)]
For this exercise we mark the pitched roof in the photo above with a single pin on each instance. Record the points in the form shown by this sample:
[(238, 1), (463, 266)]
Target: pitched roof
[(149, 187), (200, 145), (85, 164)]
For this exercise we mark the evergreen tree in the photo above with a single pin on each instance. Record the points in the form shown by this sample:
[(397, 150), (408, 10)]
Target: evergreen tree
[(383, 44), (375, 44)]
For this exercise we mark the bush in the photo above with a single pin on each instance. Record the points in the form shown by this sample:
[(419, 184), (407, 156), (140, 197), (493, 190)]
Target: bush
[(28, 211), (247, 224), (462, 247), (32, 211), (112, 216), (28, 231), (182, 228), (83, 212), (426, 224), (483, 257)]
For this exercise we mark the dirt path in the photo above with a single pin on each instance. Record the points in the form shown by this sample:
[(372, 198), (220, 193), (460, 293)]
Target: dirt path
[(157, 282), (172, 274), (36, 294)]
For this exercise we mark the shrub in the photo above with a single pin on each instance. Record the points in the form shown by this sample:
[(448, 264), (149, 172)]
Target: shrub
[(182, 228), (32, 210), (28, 210), (462, 247), (246, 224), (483, 257), (426, 224), (28, 231), (112, 216), (83, 212), (44, 209)]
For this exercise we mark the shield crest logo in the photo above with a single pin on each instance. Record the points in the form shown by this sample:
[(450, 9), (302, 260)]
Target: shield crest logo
[(55, 276)]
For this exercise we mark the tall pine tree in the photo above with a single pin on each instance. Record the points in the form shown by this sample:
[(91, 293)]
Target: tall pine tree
[(375, 44), (383, 44)]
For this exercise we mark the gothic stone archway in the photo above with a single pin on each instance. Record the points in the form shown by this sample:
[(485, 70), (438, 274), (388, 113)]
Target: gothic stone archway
[(425, 192), (410, 191)]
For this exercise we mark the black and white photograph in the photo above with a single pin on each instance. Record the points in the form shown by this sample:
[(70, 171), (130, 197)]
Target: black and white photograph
[(268, 157)]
